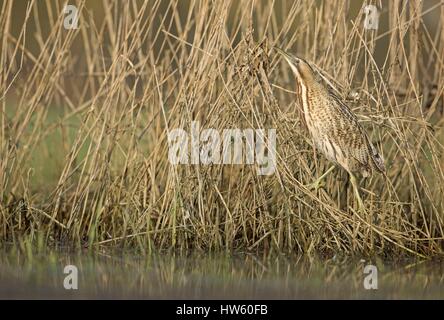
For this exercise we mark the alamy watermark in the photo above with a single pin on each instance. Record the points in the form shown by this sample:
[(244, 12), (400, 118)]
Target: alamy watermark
[(209, 146), (371, 278), (71, 20), (371, 21), (71, 281)]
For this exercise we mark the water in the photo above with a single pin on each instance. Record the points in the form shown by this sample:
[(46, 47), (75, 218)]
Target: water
[(105, 274)]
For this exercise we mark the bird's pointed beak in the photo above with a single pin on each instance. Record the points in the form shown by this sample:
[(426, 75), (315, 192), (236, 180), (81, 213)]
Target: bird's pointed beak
[(290, 59), (280, 51)]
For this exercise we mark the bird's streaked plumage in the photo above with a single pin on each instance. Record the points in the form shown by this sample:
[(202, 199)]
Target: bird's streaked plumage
[(334, 128)]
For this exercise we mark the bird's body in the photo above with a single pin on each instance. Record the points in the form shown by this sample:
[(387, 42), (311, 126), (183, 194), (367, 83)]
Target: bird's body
[(336, 132), (334, 128)]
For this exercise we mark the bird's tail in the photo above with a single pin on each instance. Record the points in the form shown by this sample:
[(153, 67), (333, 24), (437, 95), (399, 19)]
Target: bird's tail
[(377, 159)]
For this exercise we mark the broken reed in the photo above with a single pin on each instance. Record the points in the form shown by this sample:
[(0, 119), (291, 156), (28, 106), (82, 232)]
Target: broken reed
[(85, 116)]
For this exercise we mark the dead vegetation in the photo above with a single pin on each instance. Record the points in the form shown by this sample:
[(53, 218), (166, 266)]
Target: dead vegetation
[(93, 106)]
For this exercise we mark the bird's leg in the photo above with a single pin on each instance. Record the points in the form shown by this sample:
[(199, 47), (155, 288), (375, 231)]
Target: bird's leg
[(356, 191), (315, 185), (343, 202)]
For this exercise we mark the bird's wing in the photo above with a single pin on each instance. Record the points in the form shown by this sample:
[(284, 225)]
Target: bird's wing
[(352, 137)]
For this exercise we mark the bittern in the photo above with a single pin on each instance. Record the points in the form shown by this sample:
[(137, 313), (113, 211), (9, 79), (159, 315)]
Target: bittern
[(333, 127)]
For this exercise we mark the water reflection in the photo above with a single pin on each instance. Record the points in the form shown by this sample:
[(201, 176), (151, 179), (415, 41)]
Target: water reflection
[(114, 274)]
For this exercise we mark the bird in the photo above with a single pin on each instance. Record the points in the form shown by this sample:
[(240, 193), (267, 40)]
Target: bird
[(333, 127)]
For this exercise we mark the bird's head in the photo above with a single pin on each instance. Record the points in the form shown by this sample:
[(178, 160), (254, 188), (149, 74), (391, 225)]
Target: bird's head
[(301, 68)]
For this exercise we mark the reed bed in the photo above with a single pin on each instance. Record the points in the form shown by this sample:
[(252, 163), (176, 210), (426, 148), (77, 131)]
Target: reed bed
[(85, 115)]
